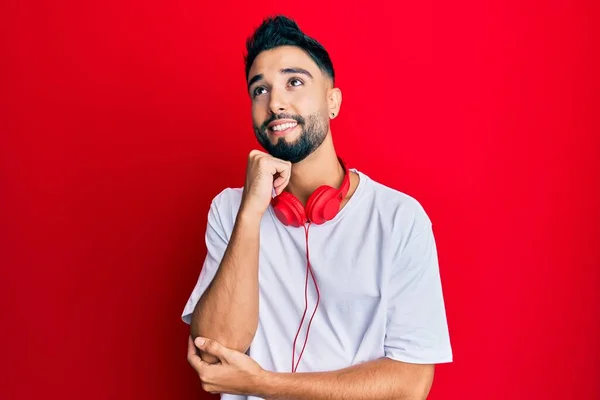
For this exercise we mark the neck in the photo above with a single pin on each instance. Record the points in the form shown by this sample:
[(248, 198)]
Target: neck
[(321, 167)]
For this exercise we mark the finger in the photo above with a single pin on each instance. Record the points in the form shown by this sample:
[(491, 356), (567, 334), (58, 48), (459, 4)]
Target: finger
[(278, 183), (254, 157), (255, 152), (193, 357), (213, 348), (281, 182), (281, 168)]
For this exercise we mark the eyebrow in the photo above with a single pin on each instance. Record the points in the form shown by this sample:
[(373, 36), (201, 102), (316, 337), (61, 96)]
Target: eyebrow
[(293, 70)]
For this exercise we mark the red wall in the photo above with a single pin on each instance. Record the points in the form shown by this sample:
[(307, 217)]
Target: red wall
[(120, 122)]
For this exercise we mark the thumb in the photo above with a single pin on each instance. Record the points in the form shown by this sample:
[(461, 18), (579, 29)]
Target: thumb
[(213, 348)]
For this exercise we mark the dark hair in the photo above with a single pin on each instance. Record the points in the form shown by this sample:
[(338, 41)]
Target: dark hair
[(282, 31)]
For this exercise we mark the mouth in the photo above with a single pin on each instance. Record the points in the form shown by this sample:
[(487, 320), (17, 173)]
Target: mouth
[(282, 127)]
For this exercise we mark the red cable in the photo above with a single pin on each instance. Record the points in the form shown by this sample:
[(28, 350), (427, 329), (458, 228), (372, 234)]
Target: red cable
[(308, 269)]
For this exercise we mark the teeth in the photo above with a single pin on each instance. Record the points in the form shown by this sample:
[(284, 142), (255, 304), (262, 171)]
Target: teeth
[(282, 127)]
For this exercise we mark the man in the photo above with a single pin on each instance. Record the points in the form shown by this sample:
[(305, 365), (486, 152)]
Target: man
[(351, 306)]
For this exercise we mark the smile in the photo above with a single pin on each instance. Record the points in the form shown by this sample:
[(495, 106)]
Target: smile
[(283, 127)]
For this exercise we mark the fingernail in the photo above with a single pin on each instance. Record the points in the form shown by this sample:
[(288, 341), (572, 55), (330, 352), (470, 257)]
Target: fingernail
[(199, 341)]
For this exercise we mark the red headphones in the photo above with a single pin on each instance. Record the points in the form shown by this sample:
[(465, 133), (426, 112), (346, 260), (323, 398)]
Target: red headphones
[(323, 205)]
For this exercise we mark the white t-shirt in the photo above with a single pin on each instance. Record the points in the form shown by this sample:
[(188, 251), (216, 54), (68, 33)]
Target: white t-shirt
[(377, 272)]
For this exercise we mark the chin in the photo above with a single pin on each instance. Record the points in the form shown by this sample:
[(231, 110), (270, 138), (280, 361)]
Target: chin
[(279, 139)]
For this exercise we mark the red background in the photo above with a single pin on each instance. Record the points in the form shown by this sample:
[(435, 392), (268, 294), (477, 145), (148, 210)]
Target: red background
[(120, 122)]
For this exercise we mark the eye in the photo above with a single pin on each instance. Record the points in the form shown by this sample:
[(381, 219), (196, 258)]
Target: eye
[(257, 91), (296, 82)]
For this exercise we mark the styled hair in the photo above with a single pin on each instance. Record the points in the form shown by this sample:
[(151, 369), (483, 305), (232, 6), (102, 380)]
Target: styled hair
[(282, 31)]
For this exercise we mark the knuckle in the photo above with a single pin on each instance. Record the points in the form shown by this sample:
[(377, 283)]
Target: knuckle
[(210, 344), (263, 161), (254, 154)]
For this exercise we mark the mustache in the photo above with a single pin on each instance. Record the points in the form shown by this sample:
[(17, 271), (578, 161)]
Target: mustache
[(274, 117)]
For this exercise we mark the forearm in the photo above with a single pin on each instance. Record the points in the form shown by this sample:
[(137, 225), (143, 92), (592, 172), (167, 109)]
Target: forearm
[(228, 310), (380, 379)]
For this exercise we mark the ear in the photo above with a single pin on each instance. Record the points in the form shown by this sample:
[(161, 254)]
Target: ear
[(334, 102)]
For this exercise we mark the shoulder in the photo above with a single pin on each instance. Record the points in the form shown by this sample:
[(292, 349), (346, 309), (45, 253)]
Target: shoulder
[(227, 198), (402, 209), (406, 226), (225, 205)]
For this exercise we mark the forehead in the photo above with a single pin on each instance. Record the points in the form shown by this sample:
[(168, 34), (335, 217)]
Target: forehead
[(273, 60)]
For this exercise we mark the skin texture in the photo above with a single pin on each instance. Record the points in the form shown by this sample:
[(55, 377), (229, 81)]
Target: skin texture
[(290, 88)]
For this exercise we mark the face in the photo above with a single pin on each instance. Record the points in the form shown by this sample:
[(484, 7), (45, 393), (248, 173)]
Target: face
[(292, 101)]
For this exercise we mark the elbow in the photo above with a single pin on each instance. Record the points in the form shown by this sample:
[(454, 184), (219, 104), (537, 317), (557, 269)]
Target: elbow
[(414, 392), (236, 343), (241, 346), (236, 339), (419, 392), (421, 386), (239, 341), (413, 381)]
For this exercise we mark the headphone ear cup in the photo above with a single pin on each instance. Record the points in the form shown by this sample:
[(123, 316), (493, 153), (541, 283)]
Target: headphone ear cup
[(288, 209), (323, 205)]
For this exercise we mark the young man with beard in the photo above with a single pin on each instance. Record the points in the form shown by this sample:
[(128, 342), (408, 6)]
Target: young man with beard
[(311, 249)]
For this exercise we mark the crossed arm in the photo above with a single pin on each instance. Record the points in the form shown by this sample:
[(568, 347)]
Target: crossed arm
[(381, 379)]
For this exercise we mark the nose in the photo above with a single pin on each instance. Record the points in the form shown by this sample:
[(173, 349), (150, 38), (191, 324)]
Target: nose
[(278, 101)]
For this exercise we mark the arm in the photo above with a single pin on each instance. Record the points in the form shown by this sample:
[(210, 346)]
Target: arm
[(228, 309), (380, 379)]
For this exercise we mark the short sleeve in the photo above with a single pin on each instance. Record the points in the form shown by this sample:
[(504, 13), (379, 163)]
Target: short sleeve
[(417, 329), (216, 244)]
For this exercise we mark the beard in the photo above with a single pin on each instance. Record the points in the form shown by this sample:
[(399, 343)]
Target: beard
[(313, 132)]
